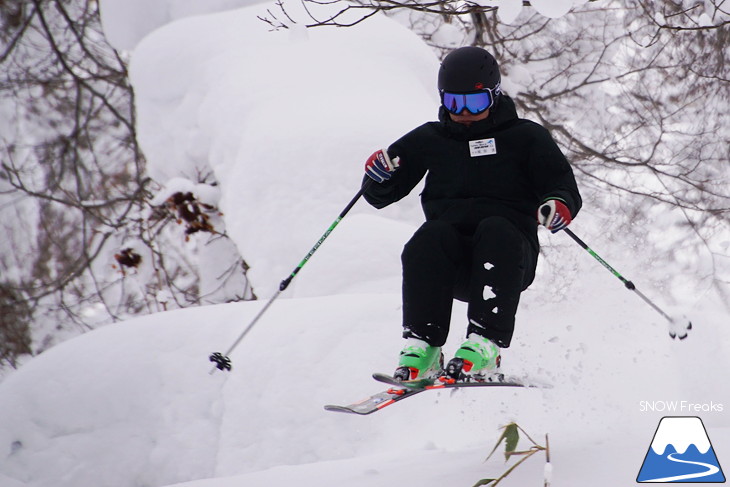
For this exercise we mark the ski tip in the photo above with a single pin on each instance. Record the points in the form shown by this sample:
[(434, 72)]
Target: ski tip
[(337, 409), (348, 410), (536, 385)]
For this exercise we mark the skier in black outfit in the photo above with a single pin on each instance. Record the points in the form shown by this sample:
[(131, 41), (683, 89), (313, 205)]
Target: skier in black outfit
[(491, 177)]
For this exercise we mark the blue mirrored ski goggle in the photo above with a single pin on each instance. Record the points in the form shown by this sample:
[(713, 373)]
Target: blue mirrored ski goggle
[(475, 103)]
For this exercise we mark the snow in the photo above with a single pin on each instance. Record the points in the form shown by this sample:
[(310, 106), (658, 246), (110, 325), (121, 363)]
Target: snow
[(134, 403), (508, 10), (448, 35), (552, 9), (126, 22), (282, 122), (202, 192), (267, 137), (548, 474)]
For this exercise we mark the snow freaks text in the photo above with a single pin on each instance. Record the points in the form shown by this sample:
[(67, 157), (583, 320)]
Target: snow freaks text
[(683, 407)]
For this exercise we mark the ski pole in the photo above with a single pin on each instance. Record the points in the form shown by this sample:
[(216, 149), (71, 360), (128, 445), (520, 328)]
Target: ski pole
[(222, 360), (677, 327)]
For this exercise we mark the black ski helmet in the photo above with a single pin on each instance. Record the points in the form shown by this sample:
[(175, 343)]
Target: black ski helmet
[(469, 69)]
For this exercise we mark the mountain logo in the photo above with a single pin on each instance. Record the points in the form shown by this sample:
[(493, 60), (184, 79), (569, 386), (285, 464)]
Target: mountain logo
[(681, 452)]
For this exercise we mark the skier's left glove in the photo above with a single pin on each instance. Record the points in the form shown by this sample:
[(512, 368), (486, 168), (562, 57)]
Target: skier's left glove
[(380, 167), (554, 215)]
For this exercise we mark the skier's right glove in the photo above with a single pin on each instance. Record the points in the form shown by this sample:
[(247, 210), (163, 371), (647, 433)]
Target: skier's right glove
[(554, 215), (379, 167)]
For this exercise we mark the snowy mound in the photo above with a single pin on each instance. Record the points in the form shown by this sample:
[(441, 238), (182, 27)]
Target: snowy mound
[(283, 121), (134, 404)]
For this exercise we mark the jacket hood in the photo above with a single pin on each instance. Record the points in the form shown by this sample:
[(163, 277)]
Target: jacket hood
[(503, 112)]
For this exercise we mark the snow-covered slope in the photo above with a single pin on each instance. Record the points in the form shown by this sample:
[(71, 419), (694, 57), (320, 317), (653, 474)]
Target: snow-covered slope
[(134, 404)]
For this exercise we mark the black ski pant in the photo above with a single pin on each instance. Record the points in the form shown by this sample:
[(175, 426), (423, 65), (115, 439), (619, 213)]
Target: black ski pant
[(488, 270)]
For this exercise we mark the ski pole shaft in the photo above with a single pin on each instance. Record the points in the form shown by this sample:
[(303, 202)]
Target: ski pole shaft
[(285, 283), (222, 361), (251, 324), (629, 285)]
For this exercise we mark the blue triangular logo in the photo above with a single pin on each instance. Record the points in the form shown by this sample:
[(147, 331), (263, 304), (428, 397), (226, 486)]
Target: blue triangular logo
[(681, 452)]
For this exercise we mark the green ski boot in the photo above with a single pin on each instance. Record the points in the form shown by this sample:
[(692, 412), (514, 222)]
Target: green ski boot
[(477, 359), (419, 360)]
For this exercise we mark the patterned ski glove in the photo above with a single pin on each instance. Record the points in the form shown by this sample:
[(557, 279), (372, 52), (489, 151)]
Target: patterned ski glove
[(379, 167), (554, 215)]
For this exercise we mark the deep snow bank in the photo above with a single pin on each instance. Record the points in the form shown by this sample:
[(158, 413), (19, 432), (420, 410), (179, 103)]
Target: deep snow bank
[(133, 403), (283, 121)]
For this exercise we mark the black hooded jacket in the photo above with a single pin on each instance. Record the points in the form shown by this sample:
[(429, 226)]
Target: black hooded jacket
[(501, 166)]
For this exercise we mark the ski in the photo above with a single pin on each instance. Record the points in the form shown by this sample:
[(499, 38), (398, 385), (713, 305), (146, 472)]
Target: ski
[(376, 402), (402, 390)]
